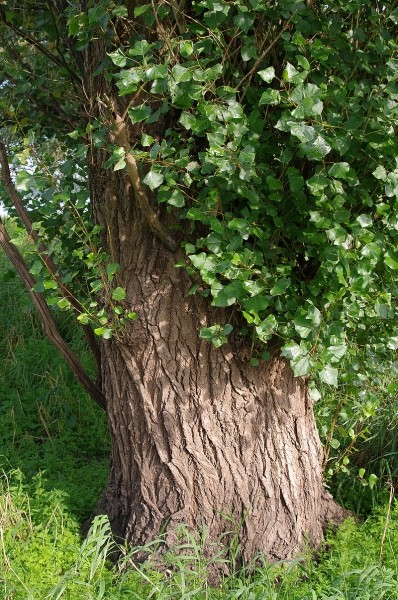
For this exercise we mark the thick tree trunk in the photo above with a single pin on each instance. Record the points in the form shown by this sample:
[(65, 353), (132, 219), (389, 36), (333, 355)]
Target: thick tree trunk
[(200, 437)]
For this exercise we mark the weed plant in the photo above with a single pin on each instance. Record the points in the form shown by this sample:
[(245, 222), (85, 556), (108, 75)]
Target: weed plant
[(54, 459)]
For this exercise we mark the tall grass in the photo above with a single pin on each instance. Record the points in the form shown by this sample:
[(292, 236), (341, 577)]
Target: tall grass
[(53, 465)]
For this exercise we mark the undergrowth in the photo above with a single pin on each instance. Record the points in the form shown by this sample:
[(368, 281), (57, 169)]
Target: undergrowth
[(53, 463)]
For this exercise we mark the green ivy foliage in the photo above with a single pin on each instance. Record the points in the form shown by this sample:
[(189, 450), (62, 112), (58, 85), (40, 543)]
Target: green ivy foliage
[(284, 149)]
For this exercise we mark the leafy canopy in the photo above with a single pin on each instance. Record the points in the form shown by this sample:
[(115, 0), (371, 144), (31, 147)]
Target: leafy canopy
[(278, 152)]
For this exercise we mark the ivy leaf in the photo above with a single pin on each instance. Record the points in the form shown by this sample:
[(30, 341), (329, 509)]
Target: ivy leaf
[(316, 149), (104, 332), (156, 72), (380, 173), (187, 120), (121, 163), (181, 73), (329, 375), (365, 220), (391, 260), (303, 326), (176, 198), (280, 286), (303, 62), (302, 366), (270, 96), (118, 294), (289, 72), (139, 113), (118, 58), (112, 268), (339, 170), (267, 74), (153, 179), (266, 328)]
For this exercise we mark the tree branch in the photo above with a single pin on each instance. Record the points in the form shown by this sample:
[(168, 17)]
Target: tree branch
[(120, 137), (45, 256), (48, 323)]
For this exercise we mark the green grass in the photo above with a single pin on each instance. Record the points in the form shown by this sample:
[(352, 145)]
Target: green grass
[(53, 466)]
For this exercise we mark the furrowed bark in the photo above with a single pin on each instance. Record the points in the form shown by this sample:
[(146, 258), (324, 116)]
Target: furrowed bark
[(198, 433)]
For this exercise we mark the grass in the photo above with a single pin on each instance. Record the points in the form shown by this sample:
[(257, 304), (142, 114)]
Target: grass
[(53, 465)]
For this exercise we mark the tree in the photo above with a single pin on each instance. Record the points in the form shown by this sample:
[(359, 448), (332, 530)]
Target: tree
[(238, 240)]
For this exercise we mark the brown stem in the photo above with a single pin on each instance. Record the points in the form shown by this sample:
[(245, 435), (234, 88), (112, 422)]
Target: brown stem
[(45, 256), (120, 137), (48, 323)]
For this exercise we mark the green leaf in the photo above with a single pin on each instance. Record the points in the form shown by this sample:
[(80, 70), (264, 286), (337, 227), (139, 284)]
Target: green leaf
[(365, 220), (316, 149), (111, 269), (339, 170), (372, 480), (118, 294), (229, 294), (267, 328), (83, 318), (280, 286), (139, 113), (104, 332), (156, 72), (380, 173), (303, 62), (176, 198), (289, 72), (118, 58), (329, 375), (334, 443), (270, 96), (291, 351), (181, 74), (267, 74), (146, 140), (302, 366), (391, 260), (121, 163), (186, 48), (153, 179), (303, 326), (187, 120)]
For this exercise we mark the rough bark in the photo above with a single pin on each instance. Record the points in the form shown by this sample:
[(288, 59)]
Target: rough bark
[(197, 433)]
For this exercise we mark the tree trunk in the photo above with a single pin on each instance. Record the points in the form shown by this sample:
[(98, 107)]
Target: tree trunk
[(200, 437)]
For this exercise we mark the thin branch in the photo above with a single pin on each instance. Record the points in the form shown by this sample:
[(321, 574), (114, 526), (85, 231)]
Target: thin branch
[(45, 255), (48, 323)]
